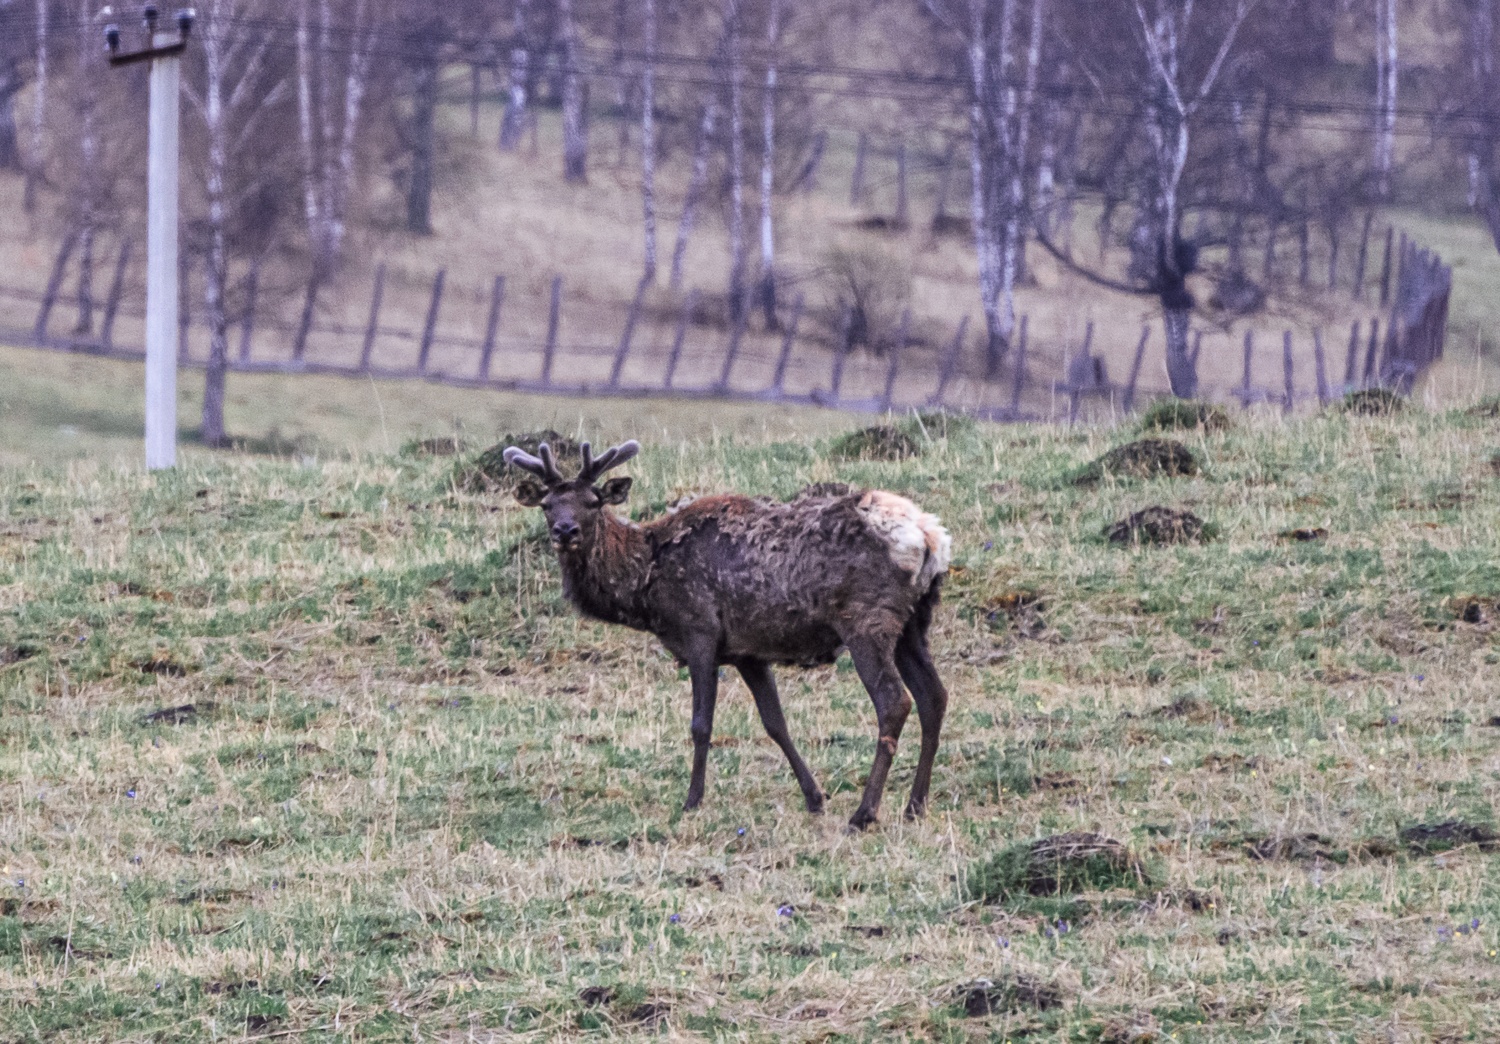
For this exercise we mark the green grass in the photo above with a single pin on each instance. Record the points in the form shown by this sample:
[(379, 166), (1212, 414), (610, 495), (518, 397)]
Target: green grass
[(418, 797)]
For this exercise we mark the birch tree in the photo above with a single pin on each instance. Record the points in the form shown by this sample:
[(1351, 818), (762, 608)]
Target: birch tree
[(11, 82), (513, 123), (37, 163), (1483, 99), (1386, 69), (696, 181), (736, 294), (766, 290), (237, 95), (574, 98), (332, 81), (648, 138)]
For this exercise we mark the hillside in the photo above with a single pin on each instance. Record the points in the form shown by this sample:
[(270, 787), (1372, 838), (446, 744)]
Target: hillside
[(314, 749)]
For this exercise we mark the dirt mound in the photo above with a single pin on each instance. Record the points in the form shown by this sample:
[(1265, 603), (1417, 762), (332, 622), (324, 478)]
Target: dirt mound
[(1057, 865), (1372, 402), (1173, 414), (489, 473), (1015, 992), (1143, 459), (880, 442), (1431, 838), (1157, 525)]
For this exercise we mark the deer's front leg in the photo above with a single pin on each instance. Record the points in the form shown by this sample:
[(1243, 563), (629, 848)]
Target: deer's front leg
[(705, 674)]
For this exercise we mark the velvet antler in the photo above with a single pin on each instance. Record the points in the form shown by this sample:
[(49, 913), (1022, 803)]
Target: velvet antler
[(543, 466), (610, 458)]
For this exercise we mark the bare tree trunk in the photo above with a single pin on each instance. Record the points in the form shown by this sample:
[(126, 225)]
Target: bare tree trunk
[(513, 123), (1182, 371), (736, 294), (87, 203), (648, 139), (986, 245), (10, 144), (424, 72), (35, 167), (574, 100), (694, 192), (1483, 196), (1386, 62), (1020, 119), (211, 427), (767, 289)]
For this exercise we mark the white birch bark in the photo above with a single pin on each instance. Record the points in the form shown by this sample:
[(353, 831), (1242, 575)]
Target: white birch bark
[(1387, 67), (767, 288), (736, 162), (575, 140), (513, 123), (1020, 118), (648, 139), (37, 163)]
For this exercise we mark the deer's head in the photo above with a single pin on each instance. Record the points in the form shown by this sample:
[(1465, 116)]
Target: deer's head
[(573, 506)]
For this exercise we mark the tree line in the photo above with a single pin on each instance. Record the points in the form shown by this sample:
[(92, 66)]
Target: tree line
[(1183, 128)]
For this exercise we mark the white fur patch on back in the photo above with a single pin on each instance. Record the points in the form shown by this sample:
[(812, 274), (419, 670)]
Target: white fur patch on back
[(918, 542)]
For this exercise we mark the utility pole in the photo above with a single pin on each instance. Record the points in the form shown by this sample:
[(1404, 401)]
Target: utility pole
[(163, 52)]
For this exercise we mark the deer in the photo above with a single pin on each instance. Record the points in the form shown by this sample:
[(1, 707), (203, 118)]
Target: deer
[(742, 582)]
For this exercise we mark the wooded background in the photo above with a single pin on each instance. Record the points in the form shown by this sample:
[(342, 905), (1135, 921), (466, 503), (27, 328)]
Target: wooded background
[(740, 196)]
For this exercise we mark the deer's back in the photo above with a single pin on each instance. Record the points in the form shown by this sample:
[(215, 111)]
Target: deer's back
[(780, 579)]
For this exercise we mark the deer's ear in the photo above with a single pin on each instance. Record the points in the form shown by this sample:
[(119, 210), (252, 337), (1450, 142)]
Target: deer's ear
[(529, 493), (615, 491)]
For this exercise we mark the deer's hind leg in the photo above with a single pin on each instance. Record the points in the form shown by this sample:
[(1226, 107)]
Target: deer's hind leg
[(873, 655), (704, 671), (915, 664), (762, 685)]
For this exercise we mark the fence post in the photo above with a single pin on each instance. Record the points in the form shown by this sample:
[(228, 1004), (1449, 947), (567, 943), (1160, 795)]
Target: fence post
[(950, 361), (554, 316), (629, 332), (890, 374), (841, 353), (945, 180), (1320, 367), (184, 304), (786, 347), (1333, 256), (1269, 267), (491, 326), (430, 328), (373, 326), (682, 325), (902, 214), (731, 353), (1304, 254), (1400, 264), (1361, 260), (54, 284), (1286, 367), (1385, 267), (1245, 391), (1370, 353), (247, 322), (1135, 368), (1351, 364), (857, 179), (1020, 378), (116, 290)]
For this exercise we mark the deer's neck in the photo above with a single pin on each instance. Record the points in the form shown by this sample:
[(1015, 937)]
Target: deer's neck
[(608, 580)]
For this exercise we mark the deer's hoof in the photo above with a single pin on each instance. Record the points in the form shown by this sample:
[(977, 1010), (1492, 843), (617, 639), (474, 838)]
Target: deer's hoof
[(815, 804), (860, 821), (692, 803), (916, 811)]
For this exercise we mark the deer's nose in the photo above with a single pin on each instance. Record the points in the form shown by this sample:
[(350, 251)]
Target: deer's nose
[(565, 532)]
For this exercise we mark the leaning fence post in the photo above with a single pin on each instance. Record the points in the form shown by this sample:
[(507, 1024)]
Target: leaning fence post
[(857, 179), (373, 326), (1320, 367), (890, 373), (1385, 266), (491, 326), (1135, 368), (247, 321), (1351, 363), (554, 315), (430, 328), (842, 352), (1020, 378), (1245, 394), (1371, 352), (1333, 256), (950, 361), (1286, 367), (786, 347), (682, 325), (184, 304), (1363, 257), (116, 290), (629, 332), (731, 353), (54, 284)]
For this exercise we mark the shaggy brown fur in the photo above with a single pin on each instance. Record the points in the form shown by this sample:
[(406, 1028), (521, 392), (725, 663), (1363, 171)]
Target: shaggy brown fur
[(730, 580)]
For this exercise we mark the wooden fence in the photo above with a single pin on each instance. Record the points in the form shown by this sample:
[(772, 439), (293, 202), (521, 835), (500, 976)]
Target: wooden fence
[(1412, 283)]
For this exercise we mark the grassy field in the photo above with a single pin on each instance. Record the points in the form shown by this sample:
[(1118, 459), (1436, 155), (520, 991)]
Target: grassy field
[(315, 750)]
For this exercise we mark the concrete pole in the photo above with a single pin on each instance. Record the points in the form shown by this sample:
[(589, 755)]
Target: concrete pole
[(161, 264)]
